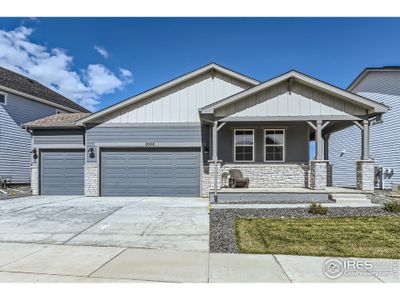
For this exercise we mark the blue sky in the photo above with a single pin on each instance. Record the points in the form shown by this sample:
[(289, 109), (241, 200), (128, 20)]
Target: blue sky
[(140, 53)]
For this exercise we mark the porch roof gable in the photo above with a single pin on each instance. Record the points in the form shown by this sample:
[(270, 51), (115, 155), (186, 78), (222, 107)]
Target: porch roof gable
[(371, 106)]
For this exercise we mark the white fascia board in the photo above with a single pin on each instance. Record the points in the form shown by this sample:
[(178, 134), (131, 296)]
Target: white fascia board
[(166, 86), (12, 91)]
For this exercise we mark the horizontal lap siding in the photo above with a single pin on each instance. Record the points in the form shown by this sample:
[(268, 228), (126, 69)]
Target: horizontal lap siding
[(15, 142), (383, 86), (142, 134), (58, 136)]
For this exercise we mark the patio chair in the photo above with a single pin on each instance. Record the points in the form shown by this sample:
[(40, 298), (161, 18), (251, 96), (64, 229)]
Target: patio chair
[(236, 179)]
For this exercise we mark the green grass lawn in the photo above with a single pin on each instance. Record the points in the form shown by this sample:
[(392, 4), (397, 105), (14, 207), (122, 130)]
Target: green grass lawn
[(339, 236)]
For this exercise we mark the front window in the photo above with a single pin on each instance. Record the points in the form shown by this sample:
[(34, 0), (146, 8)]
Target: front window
[(274, 144), (244, 145)]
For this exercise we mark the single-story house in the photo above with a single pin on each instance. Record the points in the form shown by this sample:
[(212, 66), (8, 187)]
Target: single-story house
[(179, 138)]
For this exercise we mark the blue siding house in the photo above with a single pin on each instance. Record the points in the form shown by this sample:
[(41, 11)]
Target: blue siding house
[(23, 100), (381, 85)]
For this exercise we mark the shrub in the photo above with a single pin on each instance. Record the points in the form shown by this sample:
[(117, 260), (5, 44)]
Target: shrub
[(317, 209), (392, 206)]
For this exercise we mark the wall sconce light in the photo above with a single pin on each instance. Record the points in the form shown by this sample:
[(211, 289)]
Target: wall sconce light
[(91, 152), (35, 155)]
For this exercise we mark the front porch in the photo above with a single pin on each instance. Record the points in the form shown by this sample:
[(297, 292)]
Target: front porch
[(289, 195), (265, 132)]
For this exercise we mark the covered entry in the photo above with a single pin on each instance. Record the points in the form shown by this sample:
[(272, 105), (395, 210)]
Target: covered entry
[(150, 172), (62, 172)]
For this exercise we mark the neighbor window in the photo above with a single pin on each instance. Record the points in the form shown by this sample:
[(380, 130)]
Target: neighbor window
[(274, 144), (244, 145), (3, 98)]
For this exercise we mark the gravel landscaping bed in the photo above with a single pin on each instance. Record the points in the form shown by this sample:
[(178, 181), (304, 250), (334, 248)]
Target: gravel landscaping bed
[(383, 196), (222, 220)]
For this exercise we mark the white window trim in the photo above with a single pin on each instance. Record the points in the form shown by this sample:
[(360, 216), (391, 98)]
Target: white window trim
[(234, 144), (5, 98), (282, 145)]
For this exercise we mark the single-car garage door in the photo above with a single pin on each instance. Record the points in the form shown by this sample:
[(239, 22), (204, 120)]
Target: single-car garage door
[(62, 172), (150, 172)]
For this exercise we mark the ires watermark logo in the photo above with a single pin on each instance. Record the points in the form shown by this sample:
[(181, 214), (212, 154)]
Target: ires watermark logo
[(335, 268)]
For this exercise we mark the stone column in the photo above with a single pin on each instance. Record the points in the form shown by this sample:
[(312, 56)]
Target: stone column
[(91, 180), (318, 174), (365, 175), (35, 179)]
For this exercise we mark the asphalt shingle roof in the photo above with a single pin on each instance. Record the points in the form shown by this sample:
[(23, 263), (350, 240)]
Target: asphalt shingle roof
[(29, 86), (57, 120)]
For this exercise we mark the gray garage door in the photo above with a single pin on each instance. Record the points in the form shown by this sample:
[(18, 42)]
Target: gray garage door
[(62, 172), (150, 172)]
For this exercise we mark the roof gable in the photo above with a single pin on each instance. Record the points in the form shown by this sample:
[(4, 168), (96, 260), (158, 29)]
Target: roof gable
[(141, 99), (294, 76), (295, 101), (366, 71)]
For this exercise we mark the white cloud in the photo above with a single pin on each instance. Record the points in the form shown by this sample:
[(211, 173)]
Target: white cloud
[(125, 73), (101, 50), (54, 68)]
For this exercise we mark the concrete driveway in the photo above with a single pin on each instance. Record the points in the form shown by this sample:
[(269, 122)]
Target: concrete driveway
[(137, 222)]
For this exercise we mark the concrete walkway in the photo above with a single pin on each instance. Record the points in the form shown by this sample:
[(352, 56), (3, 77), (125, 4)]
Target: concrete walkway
[(24, 262)]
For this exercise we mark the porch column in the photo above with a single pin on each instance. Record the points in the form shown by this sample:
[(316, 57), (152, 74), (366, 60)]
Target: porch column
[(365, 166), (365, 140), (319, 166)]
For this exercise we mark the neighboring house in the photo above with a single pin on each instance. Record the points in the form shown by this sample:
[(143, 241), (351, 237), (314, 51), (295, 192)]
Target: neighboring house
[(23, 100), (178, 138), (381, 85)]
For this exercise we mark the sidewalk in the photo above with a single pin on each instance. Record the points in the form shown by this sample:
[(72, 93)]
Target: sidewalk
[(60, 263)]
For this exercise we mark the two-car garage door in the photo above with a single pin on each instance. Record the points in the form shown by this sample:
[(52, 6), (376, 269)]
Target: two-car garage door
[(150, 172)]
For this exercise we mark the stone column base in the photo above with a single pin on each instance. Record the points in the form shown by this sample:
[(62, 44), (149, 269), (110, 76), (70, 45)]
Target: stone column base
[(35, 179), (318, 174), (91, 180), (365, 175), (207, 180)]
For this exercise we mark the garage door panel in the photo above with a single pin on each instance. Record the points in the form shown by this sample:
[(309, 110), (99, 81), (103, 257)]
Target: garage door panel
[(62, 172), (153, 172)]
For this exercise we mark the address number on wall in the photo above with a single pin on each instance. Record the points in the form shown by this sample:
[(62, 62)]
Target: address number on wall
[(150, 144)]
